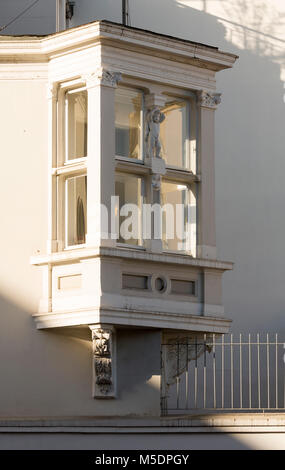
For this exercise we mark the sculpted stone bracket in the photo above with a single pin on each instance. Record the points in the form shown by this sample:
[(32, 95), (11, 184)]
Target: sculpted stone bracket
[(104, 361), (209, 100)]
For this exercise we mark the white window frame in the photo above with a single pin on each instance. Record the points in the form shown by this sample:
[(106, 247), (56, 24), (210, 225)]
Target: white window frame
[(142, 123), (66, 168)]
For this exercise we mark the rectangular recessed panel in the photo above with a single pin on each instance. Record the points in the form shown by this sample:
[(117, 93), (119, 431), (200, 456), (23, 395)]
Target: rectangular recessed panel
[(180, 287), (69, 282), (134, 281)]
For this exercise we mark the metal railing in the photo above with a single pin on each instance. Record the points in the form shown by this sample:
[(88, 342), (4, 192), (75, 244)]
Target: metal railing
[(223, 373)]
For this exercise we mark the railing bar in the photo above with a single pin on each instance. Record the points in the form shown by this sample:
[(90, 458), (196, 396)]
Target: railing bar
[(276, 370), (205, 371), (249, 370), (214, 369), (223, 370), (177, 378), (193, 400), (267, 367), (196, 376), (258, 369), (186, 377), (240, 370), (232, 373)]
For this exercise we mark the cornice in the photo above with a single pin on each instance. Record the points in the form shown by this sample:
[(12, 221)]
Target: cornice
[(44, 48)]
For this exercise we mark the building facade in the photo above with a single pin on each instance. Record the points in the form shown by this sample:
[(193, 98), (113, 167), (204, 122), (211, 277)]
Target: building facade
[(91, 113)]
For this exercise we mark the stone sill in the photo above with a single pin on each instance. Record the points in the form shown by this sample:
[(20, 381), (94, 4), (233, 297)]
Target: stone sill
[(128, 253)]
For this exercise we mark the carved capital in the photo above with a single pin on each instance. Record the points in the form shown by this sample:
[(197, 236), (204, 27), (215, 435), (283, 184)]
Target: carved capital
[(209, 100), (103, 339), (102, 77), (52, 91)]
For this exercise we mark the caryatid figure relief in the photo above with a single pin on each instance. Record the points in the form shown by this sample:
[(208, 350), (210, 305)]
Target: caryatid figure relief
[(154, 118)]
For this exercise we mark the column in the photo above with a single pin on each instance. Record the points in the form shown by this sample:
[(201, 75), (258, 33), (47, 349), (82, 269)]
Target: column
[(101, 156), (206, 231)]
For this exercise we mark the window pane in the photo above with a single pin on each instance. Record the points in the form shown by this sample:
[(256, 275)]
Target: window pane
[(174, 134), (175, 218), (129, 190), (128, 106), (76, 195), (76, 107)]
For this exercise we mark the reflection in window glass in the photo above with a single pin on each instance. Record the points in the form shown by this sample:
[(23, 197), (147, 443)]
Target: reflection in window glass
[(128, 122), (76, 138), (129, 190), (76, 200), (175, 220), (174, 134)]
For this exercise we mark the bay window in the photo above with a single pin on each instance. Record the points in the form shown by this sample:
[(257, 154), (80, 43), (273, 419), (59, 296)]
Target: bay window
[(136, 182)]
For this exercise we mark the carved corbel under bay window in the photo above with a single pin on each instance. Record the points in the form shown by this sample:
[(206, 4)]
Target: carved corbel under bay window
[(104, 361)]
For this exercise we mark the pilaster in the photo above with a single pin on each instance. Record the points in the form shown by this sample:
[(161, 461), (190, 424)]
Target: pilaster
[(52, 97), (206, 239)]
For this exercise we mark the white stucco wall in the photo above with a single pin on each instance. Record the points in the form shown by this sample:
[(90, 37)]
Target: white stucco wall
[(50, 373), (250, 134)]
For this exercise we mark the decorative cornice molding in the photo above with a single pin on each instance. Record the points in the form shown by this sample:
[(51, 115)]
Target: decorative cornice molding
[(209, 100)]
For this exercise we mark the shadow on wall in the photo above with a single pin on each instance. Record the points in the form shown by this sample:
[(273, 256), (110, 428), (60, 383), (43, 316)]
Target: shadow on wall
[(49, 372), (250, 142)]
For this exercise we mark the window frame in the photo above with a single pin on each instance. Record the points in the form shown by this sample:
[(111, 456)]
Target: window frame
[(140, 160), (140, 245), (192, 153), (66, 169)]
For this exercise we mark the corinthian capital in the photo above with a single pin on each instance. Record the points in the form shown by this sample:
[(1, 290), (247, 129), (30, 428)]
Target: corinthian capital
[(208, 99), (102, 77)]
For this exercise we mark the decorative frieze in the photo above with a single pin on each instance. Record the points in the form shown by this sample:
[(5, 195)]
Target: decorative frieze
[(209, 100), (103, 338)]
